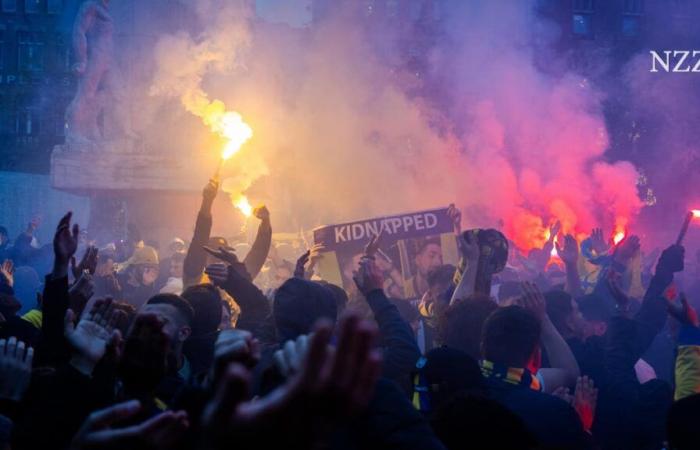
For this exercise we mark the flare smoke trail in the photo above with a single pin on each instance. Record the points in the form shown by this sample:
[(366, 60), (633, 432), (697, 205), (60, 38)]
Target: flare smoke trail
[(342, 132)]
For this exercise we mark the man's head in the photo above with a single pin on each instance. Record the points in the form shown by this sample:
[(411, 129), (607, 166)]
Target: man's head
[(298, 304), (428, 256), (462, 323), (565, 315), (596, 313), (144, 265), (175, 313), (281, 274), (206, 303), (177, 262), (511, 337)]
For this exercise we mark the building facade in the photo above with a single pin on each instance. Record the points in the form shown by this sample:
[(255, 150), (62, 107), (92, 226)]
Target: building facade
[(36, 83)]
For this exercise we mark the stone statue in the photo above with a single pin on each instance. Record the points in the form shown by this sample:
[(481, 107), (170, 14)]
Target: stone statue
[(93, 49)]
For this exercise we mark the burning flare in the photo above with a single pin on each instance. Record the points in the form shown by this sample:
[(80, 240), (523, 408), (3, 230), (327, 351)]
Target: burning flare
[(229, 125), (619, 236), (696, 213), (243, 205)]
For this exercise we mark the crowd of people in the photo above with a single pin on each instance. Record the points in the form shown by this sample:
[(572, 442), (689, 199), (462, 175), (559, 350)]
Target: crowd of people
[(581, 344)]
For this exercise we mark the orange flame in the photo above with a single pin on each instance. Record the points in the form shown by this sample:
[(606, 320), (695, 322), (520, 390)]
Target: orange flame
[(227, 124), (241, 202), (619, 236), (696, 213)]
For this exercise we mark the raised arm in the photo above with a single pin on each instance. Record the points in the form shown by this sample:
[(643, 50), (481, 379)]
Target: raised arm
[(86, 16), (255, 259), (196, 257), (469, 249), (569, 252), (53, 348), (400, 349), (564, 370)]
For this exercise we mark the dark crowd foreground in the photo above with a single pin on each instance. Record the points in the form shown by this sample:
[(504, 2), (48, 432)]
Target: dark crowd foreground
[(582, 344)]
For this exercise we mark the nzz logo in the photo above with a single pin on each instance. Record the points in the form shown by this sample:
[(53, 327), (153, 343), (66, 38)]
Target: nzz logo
[(676, 61)]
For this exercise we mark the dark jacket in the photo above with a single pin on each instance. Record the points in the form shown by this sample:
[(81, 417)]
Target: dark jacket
[(554, 423)]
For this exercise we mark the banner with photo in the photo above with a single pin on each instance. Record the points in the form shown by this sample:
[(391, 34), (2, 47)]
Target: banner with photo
[(411, 246)]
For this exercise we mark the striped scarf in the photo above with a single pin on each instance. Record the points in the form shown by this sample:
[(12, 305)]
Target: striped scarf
[(512, 375)]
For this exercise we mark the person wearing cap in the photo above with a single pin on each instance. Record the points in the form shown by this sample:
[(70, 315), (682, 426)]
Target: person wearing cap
[(137, 276)]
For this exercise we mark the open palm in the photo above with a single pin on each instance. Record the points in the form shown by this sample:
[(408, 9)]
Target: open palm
[(94, 330)]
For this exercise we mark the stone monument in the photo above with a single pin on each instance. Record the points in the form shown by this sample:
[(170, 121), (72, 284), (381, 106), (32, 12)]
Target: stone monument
[(126, 180)]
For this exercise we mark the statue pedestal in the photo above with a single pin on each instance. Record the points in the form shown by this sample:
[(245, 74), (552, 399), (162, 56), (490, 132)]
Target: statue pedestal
[(121, 165), (129, 183)]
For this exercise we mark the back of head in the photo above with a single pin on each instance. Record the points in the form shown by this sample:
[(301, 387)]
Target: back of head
[(510, 336), (682, 424), (298, 304), (448, 371), (206, 303), (341, 297), (461, 324), (594, 308), (474, 421), (183, 307)]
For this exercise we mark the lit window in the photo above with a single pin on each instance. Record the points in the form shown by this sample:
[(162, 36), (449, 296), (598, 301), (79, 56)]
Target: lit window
[(32, 6), (9, 5)]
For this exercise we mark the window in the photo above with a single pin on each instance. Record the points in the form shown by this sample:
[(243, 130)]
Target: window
[(27, 122), (32, 6), (9, 5), (30, 52), (582, 18), (632, 17), (54, 6)]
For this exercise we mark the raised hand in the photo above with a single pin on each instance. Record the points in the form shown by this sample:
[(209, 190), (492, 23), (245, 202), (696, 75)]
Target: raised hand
[(290, 358), (300, 267), (88, 263), (330, 386), (374, 244), (7, 272), (598, 242), (568, 252), (237, 346), (585, 400), (81, 292), (672, 259), (262, 213), (217, 273), (65, 243), (455, 216), (554, 230), (15, 368), (468, 245), (533, 300), (368, 277), (144, 360), (225, 254), (94, 332), (162, 431), (683, 312), (209, 192), (626, 249)]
